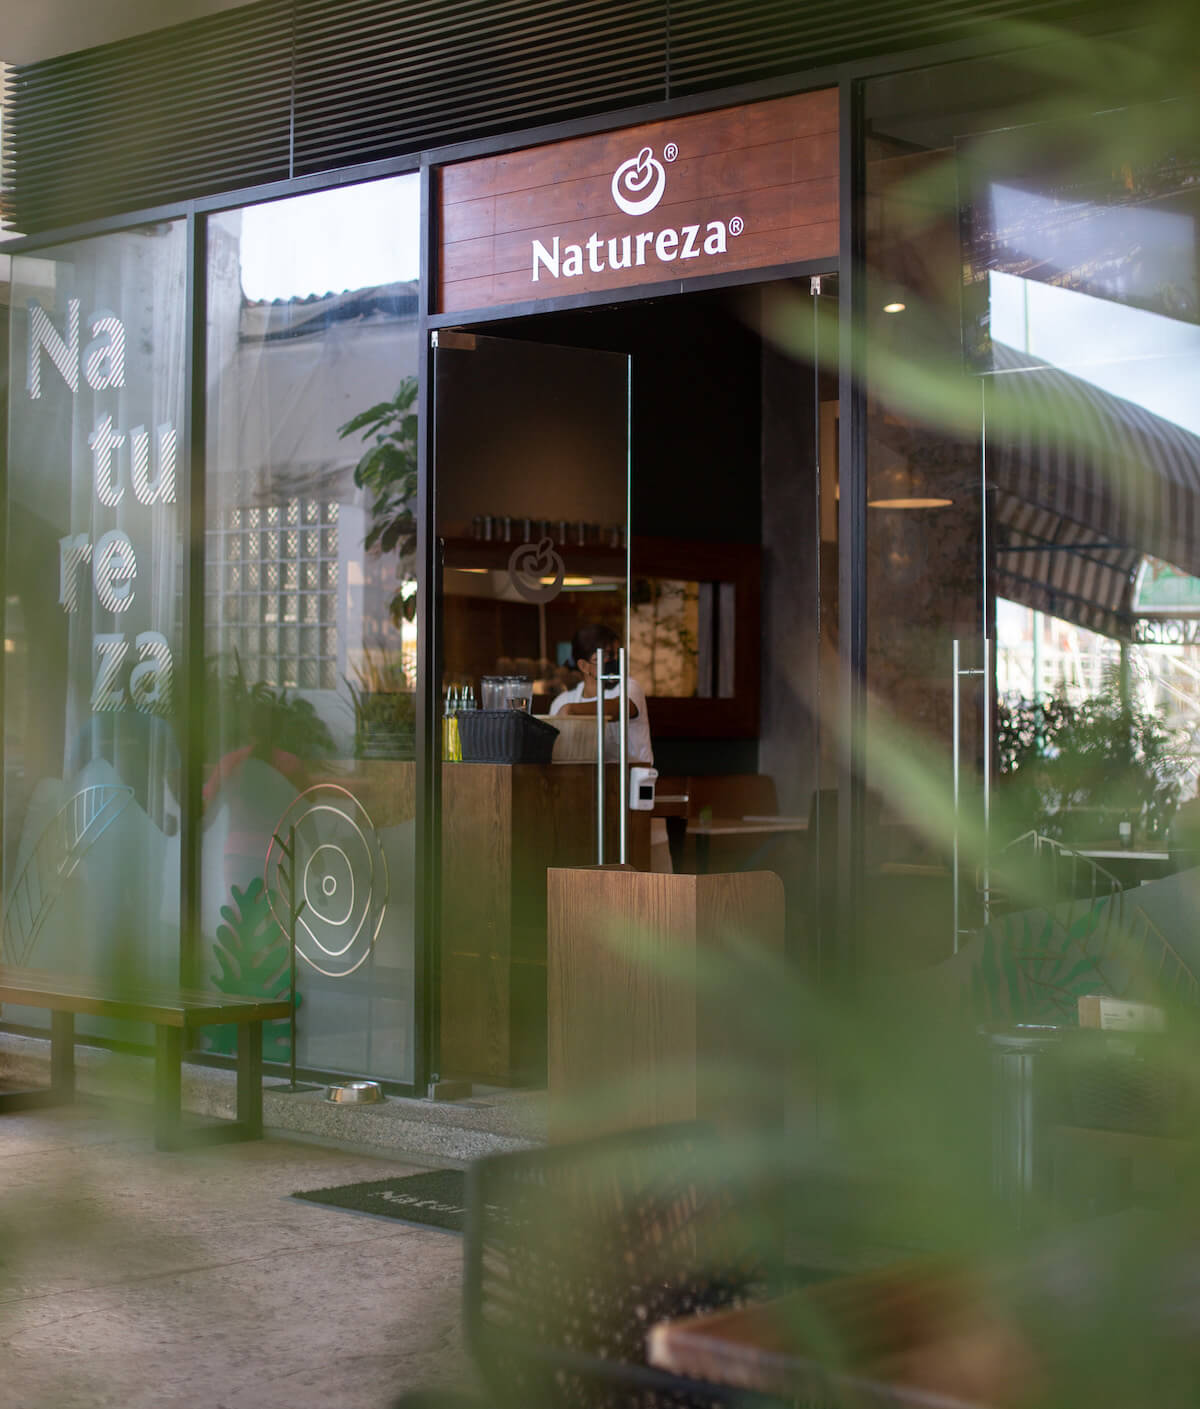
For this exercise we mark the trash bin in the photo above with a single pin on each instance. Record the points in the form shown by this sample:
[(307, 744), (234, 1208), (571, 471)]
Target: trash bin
[(1025, 1100)]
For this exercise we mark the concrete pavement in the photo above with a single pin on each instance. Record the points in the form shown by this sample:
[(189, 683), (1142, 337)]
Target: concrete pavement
[(137, 1279)]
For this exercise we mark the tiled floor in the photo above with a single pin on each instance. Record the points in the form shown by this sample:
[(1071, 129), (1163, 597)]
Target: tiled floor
[(137, 1279)]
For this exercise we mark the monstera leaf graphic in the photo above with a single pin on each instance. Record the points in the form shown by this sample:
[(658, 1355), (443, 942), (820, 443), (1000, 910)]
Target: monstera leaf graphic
[(1034, 967), (253, 954)]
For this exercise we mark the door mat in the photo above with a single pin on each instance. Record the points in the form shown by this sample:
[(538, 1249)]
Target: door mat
[(436, 1197)]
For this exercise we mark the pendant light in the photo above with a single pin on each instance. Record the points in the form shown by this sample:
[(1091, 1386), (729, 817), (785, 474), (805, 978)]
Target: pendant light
[(894, 484)]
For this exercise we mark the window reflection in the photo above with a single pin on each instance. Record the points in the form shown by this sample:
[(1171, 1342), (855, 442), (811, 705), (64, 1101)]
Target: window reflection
[(1015, 648), (310, 641), (1105, 205), (92, 630), (1130, 352)]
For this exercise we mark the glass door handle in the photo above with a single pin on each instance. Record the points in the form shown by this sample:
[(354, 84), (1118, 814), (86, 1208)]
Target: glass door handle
[(623, 754), (958, 675), (600, 758)]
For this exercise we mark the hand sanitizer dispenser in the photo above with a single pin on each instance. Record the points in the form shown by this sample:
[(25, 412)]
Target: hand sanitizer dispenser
[(641, 789)]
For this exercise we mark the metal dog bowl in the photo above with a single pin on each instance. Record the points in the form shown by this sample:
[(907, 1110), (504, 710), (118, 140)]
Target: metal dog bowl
[(354, 1093)]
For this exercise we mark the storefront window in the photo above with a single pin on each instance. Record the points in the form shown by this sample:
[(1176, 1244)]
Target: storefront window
[(1032, 531), (310, 634), (92, 614)]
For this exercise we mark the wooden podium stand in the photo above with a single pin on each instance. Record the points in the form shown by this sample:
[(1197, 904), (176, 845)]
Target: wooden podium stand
[(634, 1039)]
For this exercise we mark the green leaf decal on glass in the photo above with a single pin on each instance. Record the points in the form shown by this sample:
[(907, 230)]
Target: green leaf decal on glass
[(252, 952)]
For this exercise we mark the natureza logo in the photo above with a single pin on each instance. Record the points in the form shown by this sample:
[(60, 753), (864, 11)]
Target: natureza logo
[(634, 176), (637, 187), (536, 571)]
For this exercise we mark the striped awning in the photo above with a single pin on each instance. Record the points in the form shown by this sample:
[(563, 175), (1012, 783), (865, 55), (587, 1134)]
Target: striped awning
[(1084, 485), (1062, 567)]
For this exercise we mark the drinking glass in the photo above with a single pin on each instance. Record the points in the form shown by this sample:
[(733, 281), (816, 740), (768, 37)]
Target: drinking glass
[(519, 692)]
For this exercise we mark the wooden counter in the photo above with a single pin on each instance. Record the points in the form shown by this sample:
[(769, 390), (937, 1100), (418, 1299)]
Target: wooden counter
[(503, 826)]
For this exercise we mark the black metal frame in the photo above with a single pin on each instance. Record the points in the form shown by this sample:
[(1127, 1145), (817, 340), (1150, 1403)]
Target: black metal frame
[(427, 950), (850, 78), (852, 531), (190, 685), (639, 293)]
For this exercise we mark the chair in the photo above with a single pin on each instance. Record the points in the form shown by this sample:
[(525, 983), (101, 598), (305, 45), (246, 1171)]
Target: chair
[(732, 795), (572, 1253), (724, 797)]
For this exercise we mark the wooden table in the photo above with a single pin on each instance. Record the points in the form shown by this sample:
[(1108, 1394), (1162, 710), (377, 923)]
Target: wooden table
[(740, 827), (1120, 854), (910, 1334), (173, 1013), (1130, 868)]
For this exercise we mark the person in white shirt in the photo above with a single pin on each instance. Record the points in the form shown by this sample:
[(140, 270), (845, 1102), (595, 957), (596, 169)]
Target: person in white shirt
[(581, 700)]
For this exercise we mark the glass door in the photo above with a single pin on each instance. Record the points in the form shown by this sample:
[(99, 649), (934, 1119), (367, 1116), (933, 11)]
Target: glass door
[(799, 730), (532, 480)]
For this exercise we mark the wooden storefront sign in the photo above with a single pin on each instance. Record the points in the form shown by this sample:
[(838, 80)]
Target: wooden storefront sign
[(741, 188)]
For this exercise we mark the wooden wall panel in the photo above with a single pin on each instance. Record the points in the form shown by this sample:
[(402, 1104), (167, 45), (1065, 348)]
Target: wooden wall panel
[(502, 828), (386, 787), (771, 166), (477, 844)]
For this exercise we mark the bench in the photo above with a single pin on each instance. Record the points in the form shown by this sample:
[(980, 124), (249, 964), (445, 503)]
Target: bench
[(174, 1013)]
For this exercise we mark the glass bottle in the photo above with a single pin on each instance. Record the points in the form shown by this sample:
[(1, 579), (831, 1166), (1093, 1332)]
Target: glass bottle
[(450, 725), (456, 704)]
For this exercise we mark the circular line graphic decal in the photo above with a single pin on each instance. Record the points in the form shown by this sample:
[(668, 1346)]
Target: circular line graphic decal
[(530, 565), (335, 875), (631, 179), (337, 880)]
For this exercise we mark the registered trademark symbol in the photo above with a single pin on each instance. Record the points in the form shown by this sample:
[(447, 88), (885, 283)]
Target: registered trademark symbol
[(736, 225), (670, 152)]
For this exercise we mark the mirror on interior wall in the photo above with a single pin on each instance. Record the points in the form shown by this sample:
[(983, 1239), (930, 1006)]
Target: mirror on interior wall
[(691, 643), (694, 626), (682, 639)]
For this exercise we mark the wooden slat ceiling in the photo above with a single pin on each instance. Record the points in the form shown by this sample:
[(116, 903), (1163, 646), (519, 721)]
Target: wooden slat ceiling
[(285, 88)]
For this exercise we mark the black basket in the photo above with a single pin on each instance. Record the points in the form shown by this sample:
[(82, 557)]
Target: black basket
[(505, 736)]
